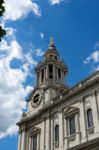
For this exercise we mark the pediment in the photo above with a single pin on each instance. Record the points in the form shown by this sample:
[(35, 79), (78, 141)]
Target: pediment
[(34, 130), (70, 110)]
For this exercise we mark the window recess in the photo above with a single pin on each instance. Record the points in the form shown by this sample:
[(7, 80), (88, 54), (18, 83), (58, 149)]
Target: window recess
[(42, 75), (57, 136), (57, 133), (89, 118), (59, 73), (50, 71), (72, 123), (35, 142), (72, 128)]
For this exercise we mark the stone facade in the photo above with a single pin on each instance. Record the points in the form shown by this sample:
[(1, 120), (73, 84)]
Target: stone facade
[(60, 117)]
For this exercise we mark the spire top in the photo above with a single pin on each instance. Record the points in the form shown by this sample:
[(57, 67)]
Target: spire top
[(52, 47), (51, 41), (51, 44)]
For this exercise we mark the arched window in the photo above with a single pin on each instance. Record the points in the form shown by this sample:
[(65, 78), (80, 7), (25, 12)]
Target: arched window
[(59, 73), (35, 142), (50, 71), (89, 118), (57, 132), (42, 75), (72, 127), (55, 57)]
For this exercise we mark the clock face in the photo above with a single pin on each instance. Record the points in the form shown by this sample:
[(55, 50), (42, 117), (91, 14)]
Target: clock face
[(37, 98)]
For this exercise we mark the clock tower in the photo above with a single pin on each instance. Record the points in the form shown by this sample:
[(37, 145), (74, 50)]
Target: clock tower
[(51, 75), (58, 117), (51, 79)]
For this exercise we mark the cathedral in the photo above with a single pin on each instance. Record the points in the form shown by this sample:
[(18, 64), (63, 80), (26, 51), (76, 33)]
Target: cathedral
[(60, 117)]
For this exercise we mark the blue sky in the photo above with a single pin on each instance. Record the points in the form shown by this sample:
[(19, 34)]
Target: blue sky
[(74, 25)]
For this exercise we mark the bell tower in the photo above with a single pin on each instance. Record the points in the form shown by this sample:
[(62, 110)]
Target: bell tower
[(59, 118), (51, 76), (51, 71), (36, 128)]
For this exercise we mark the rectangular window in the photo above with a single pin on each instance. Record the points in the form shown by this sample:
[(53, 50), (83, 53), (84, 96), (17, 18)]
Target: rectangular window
[(35, 142), (59, 73), (72, 128), (42, 76), (89, 118), (50, 71)]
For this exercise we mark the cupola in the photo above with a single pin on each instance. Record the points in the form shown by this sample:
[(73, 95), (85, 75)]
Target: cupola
[(51, 71)]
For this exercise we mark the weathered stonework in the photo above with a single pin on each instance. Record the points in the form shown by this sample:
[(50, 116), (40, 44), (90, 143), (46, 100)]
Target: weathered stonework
[(55, 104)]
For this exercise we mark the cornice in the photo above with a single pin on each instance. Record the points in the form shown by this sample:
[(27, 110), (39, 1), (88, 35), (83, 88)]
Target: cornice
[(72, 93), (67, 96), (34, 118), (86, 145), (86, 80), (70, 110), (59, 63), (49, 84)]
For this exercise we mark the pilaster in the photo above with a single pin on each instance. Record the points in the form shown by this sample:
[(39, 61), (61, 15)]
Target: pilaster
[(95, 111), (52, 132), (83, 120), (22, 140), (19, 140), (47, 134), (97, 102)]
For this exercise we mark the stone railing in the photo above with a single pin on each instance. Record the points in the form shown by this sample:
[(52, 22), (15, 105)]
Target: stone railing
[(72, 138), (90, 130), (56, 144)]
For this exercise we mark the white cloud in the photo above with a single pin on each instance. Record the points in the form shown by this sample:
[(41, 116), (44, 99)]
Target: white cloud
[(97, 68), (10, 32), (13, 85), (12, 90), (93, 58), (16, 9), (38, 52), (41, 35), (53, 2)]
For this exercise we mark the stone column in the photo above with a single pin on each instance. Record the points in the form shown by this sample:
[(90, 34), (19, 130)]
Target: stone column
[(83, 124), (48, 138), (19, 140), (64, 78), (27, 141), (77, 123), (61, 76), (44, 134), (30, 142), (95, 111), (47, 72), (57, 73), (44, 75), (39, 77), (67, 133), (64, 129), (52, 132), (38, 141), (53, 72), (97, 102), (23, 142), (37, 80), (60, 129)]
